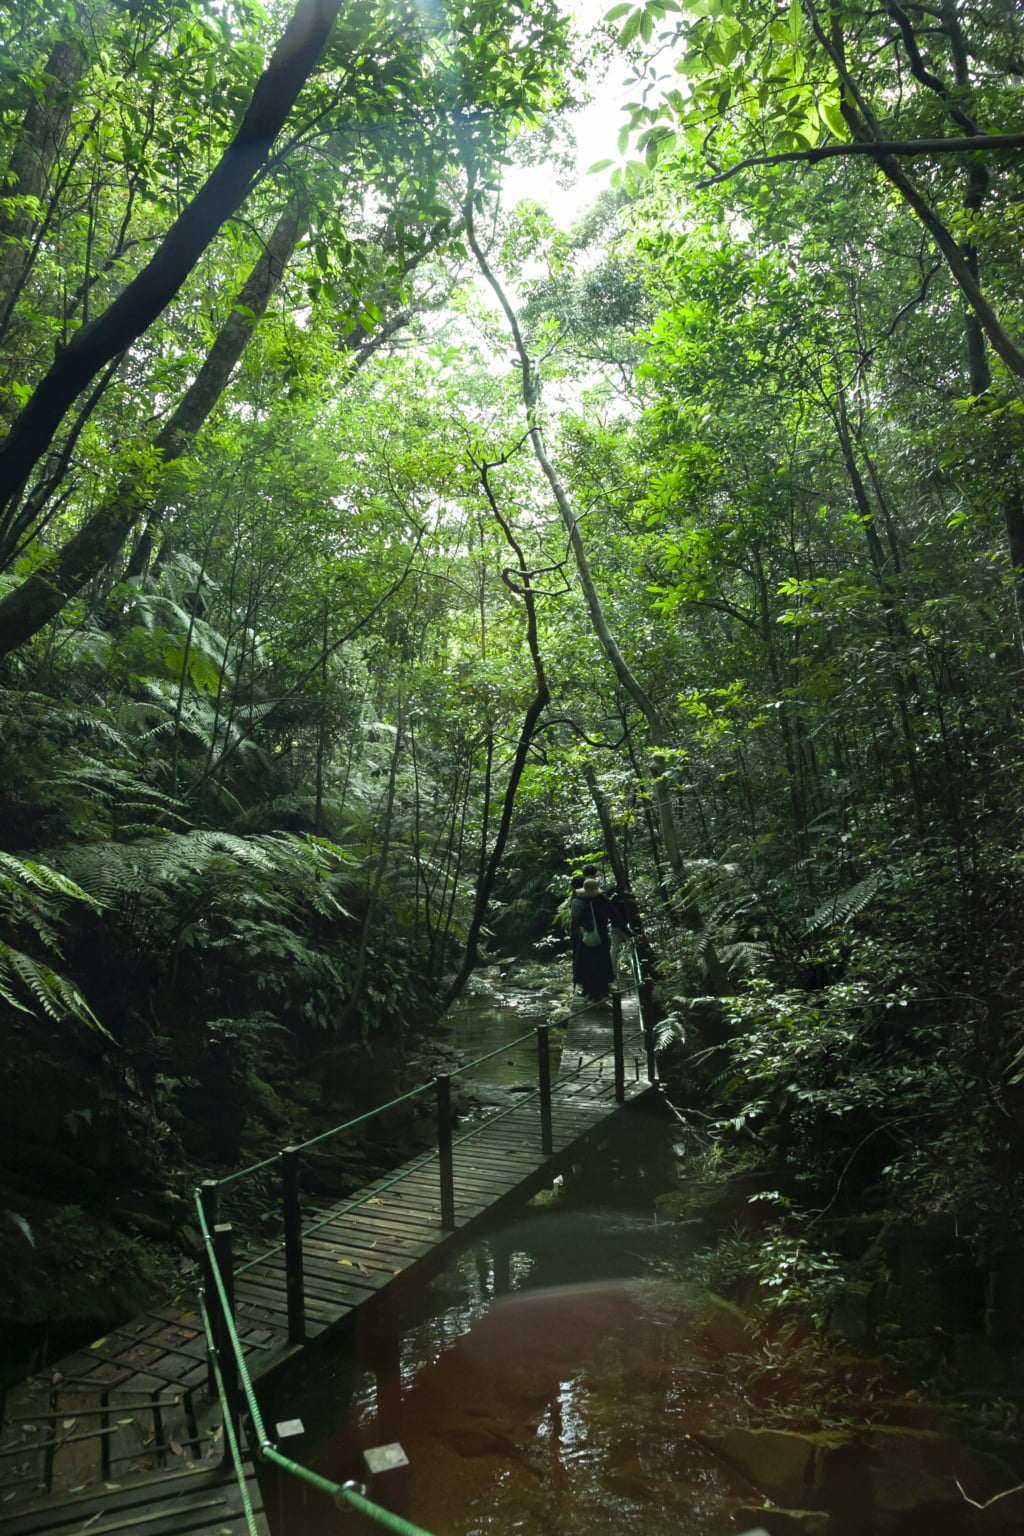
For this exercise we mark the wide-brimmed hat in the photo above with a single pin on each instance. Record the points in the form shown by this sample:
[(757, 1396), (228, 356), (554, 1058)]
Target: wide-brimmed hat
[(591, 888)]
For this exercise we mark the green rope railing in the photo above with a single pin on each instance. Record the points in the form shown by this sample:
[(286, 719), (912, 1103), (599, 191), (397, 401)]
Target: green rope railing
[(372, 1192), (229, 1429), (350, 1493)]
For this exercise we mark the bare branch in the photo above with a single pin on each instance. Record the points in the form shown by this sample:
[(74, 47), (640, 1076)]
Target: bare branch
[(974, 144)]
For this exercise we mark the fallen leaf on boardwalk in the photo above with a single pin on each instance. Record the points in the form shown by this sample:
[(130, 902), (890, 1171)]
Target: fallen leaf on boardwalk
[(56, 1378), (97, 1342), (346, 1261), (148, 1440), (113, 1487), (363, 1269), (8, 1497), (29, 1429), (120, 1421), (68, 1423), (92, 1520), (175, 1447)]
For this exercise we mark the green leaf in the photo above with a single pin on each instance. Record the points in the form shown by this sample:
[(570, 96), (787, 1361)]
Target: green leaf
[(599, 165), (617, 11), (631, 30), (829, 110)]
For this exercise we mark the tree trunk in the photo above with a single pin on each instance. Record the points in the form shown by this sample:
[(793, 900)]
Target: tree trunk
[(149, 293), (42, 595), (657, 730)]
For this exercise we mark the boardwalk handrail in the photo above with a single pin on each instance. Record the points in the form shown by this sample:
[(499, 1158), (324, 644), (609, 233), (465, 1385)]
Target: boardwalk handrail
[(228, 1359), (228, 1370), (287, 1158)]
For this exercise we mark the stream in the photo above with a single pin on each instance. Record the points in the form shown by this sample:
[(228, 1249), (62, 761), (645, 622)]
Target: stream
[(599, 1393), (570, 1405)]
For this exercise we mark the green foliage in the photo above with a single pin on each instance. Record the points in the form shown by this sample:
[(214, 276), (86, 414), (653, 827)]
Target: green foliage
[(34, 902)]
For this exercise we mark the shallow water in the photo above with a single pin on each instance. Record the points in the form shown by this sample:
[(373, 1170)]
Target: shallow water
[(498, 1014), (572, 1404)]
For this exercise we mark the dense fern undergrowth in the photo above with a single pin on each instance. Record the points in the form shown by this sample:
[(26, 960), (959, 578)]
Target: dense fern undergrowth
[(179, 993)]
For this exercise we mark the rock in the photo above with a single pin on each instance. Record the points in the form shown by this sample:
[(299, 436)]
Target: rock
[(877, 1478), (781, 1464), (853, 1310), (909, 1468)]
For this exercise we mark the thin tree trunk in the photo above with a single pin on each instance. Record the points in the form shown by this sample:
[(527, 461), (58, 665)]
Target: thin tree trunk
[(657, 730), (149, 293), (522, 588), (42, 137), (25, 610)]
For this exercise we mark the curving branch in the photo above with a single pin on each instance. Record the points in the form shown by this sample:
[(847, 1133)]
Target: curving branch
[(973, 144)]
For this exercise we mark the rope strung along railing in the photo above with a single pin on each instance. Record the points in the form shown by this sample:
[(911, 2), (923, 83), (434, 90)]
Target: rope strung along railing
[(294, 1232), (230, 1370)]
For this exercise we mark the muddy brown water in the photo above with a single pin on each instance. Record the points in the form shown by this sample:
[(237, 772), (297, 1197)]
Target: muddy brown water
[(570, 1405)]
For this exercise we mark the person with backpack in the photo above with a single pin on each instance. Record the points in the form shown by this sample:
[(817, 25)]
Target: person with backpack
[(592, 913)]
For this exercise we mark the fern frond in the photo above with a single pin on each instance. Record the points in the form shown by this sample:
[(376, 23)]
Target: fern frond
[(54, 994), (843, 906), (41, 877)]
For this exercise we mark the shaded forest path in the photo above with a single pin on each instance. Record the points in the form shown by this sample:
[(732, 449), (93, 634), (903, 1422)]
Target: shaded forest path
[(128, 1434)]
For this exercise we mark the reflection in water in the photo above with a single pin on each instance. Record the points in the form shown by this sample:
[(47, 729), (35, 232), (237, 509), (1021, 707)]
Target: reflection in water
[(569, 1409), (487, 1019), (570, 1406)]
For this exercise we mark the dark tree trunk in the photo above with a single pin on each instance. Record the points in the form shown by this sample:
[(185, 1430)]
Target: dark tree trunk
[(148, 294), (41, 597)]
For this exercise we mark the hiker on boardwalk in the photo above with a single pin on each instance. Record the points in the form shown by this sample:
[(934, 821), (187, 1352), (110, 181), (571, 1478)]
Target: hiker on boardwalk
[(591, 913)]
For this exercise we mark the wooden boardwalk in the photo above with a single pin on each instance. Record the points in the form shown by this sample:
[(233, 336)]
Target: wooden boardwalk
[(122, 1436)]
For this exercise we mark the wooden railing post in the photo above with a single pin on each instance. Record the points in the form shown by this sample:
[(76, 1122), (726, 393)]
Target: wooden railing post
[(208, 1200), (617, 1048), (547, 1144), (293, 1277), (223, 1253), (443, 1087)]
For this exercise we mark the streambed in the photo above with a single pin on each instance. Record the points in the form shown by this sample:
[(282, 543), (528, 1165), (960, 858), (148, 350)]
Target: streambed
[(599, 1396)]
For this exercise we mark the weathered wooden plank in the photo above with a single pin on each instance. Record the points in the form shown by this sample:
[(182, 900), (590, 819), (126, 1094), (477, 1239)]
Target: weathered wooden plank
[(201, 1500)]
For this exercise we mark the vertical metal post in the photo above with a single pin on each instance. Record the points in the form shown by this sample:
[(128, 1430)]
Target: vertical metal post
[(645, 1002), (620, 1060), (223, 1254), (443, 1087), (547, 1144), (386, 1362), (646, 1007), (208, 1200), (293, 1276), (290, 1490), (501, 1266)]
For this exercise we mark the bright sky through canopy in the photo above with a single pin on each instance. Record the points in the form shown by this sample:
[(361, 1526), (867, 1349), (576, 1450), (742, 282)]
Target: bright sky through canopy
[(596, 128)]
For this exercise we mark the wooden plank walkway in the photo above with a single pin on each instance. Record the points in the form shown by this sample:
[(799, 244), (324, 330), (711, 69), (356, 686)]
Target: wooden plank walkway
[(122, 1437)]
